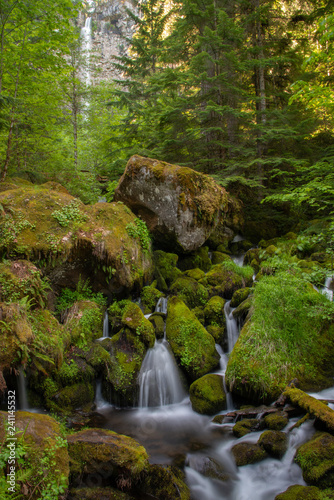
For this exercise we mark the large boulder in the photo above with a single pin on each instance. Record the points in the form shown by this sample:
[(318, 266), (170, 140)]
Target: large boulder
[(316, 459), (104, 242), (180, 206), (207, 394)]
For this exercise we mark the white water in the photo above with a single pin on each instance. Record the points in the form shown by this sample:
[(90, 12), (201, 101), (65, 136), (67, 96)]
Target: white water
[(159, 378), (231, 326), (223, 364), (22, 389), (238, 259), (326, 290), (161, 306), (100, 402), (106, 325), (86, 46)]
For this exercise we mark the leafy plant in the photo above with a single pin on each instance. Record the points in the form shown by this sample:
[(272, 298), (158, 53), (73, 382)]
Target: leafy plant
[(83, 291), (138, 229), (111, 190), (69, 213)]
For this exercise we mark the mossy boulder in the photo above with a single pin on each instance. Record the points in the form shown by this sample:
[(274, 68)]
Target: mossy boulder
[(149, 298), (165, 270), (199, 259), (276, 421), (316, 459), (133, 319), (72, 397), (239, 296), (207, 395), (96, 356), (180, 206), (219, 257), (245, 426), (196, 274), (190, 291), (248, 453), (298, 492), (241, 312), (214, 311), (106, 454), (282, 306), (230, 224), (225, 278), (75, 369), (164, 483), (275, 443), (84, 322), (72, 240), (45, 467), (217, 332), (193, 346), (158, 323)]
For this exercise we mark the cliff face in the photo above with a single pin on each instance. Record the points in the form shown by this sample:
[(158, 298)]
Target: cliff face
[(111, 26)]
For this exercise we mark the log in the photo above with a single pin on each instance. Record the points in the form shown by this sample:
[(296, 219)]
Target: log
[(313, 406)]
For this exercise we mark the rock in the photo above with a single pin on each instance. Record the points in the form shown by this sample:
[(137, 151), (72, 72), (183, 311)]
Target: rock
[(164, 483), (190, 291), (241, 312), (214, 311), (207, 395), (197, 259), (209, 467), (45, 466), (73, 397), (239, 296), (192, 345), (196, 274), (316, 459), (157, 320), (248, 453), (84, 322), (245, 426), (229, 225), (298, 492), (225, 278), (217, 332), (275, 443), (219, 257), (149, 298), (100, 242), (109, 456), (276, 421), (165, 269), (180, 206)]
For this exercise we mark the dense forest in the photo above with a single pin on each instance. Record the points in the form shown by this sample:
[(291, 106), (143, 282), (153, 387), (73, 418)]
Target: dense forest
[(166, 249)]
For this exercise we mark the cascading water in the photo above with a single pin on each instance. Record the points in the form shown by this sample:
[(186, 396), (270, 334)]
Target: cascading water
[(22, 389), (161, 306), (86, 36), (231, 326), (327, 289), (105, 325)]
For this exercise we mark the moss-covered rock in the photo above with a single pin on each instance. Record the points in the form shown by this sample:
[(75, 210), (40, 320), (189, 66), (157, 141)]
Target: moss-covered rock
[(199, 259), (165, 270), (217, 332), (239, 296), (192, 345), (96, 356), (106, 493), (229, 225), (207, 395), (280, 323), (316, 459), (158, 323), (248, 453), (298, 492), (275, 443), (180, 206), (84, 322), (219, 257), (199, 313), (214, 311), (72, 397), (164, 483), (98, 242), (245, 426), (45, 467), (196, 274), (209, 467), (276, 421), (190, 291), (107, 454), (149, 298), (225, 278), (241, 312)]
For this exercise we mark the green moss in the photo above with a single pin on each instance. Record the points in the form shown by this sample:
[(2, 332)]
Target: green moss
[(275, 443), (247, 453), (276, 421), (227, 277), (134, 319), (195, 274), (198, 259), (106, 493), (190, 291), (214, 311), (217, 332), (84, 322), (74, 396), (158, 323), (207, 395), (316, 459), (245, 426), (219, 257), (149, 297), (192, 345), (165, 269), (298, 492), (239, 296), (165, 483)]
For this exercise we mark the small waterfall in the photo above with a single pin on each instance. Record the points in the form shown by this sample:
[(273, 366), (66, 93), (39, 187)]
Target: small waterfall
[(231, 326), (22, 389), (86, 35), (327, 289), (161, 306), (159, 379), (223, 364), (100, 402), (105, 325), (238, 259)]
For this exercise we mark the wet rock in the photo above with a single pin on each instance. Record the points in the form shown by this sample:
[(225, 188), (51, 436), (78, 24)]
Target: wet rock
[(158, 322), (207, 395), (248, 453), (180, 206), (316, 459), (245, 426), (277, 421), (239, 296), (275, 443), (190, 291), (298, 492)]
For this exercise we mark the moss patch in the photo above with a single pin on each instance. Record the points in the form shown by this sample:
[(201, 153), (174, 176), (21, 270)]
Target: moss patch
[(190, 291), (316, 459), (207, 395)]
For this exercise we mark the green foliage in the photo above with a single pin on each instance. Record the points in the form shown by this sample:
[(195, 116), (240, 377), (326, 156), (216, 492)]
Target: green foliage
[(83, 291), (187, 337), (138, 229), (111, 190), (32, 286), (10, 228), (69, 213)]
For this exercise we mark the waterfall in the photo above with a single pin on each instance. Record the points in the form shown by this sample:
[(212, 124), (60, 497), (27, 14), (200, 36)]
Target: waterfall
[(105, 325), (86, 36), (223, 364), (231, 326), (22, 388), (161, 306), (100, 402), (159, 379), (327, 289)]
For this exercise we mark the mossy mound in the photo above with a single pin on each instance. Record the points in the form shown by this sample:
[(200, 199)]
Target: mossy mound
[(219, 257), (165, 270), (97, 357), (239, 296), (275, 443), (199, 259), (106, 454), (241, 312), (245, 426), (196, 274), (21, 278), (190, 291), (217, 332), (47, 224), (72, 397), (164, 483), (288, 316), (149, 298), (84, 322), (192, 345), (276, 421), (298, 492), (45, 467), (225, 278), (180, 206), (316, 459), (214, 311), (207, 395), (134, 319), (158, 323), (248, 453)]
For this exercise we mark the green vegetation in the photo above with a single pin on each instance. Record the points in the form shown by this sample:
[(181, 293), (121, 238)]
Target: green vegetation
[(69, 213), (83, 291), (138, 229)]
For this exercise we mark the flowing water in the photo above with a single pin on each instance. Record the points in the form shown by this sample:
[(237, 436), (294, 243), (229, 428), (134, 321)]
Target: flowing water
[(22, 389), (86, 46), (231, 326), (105, 326)]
